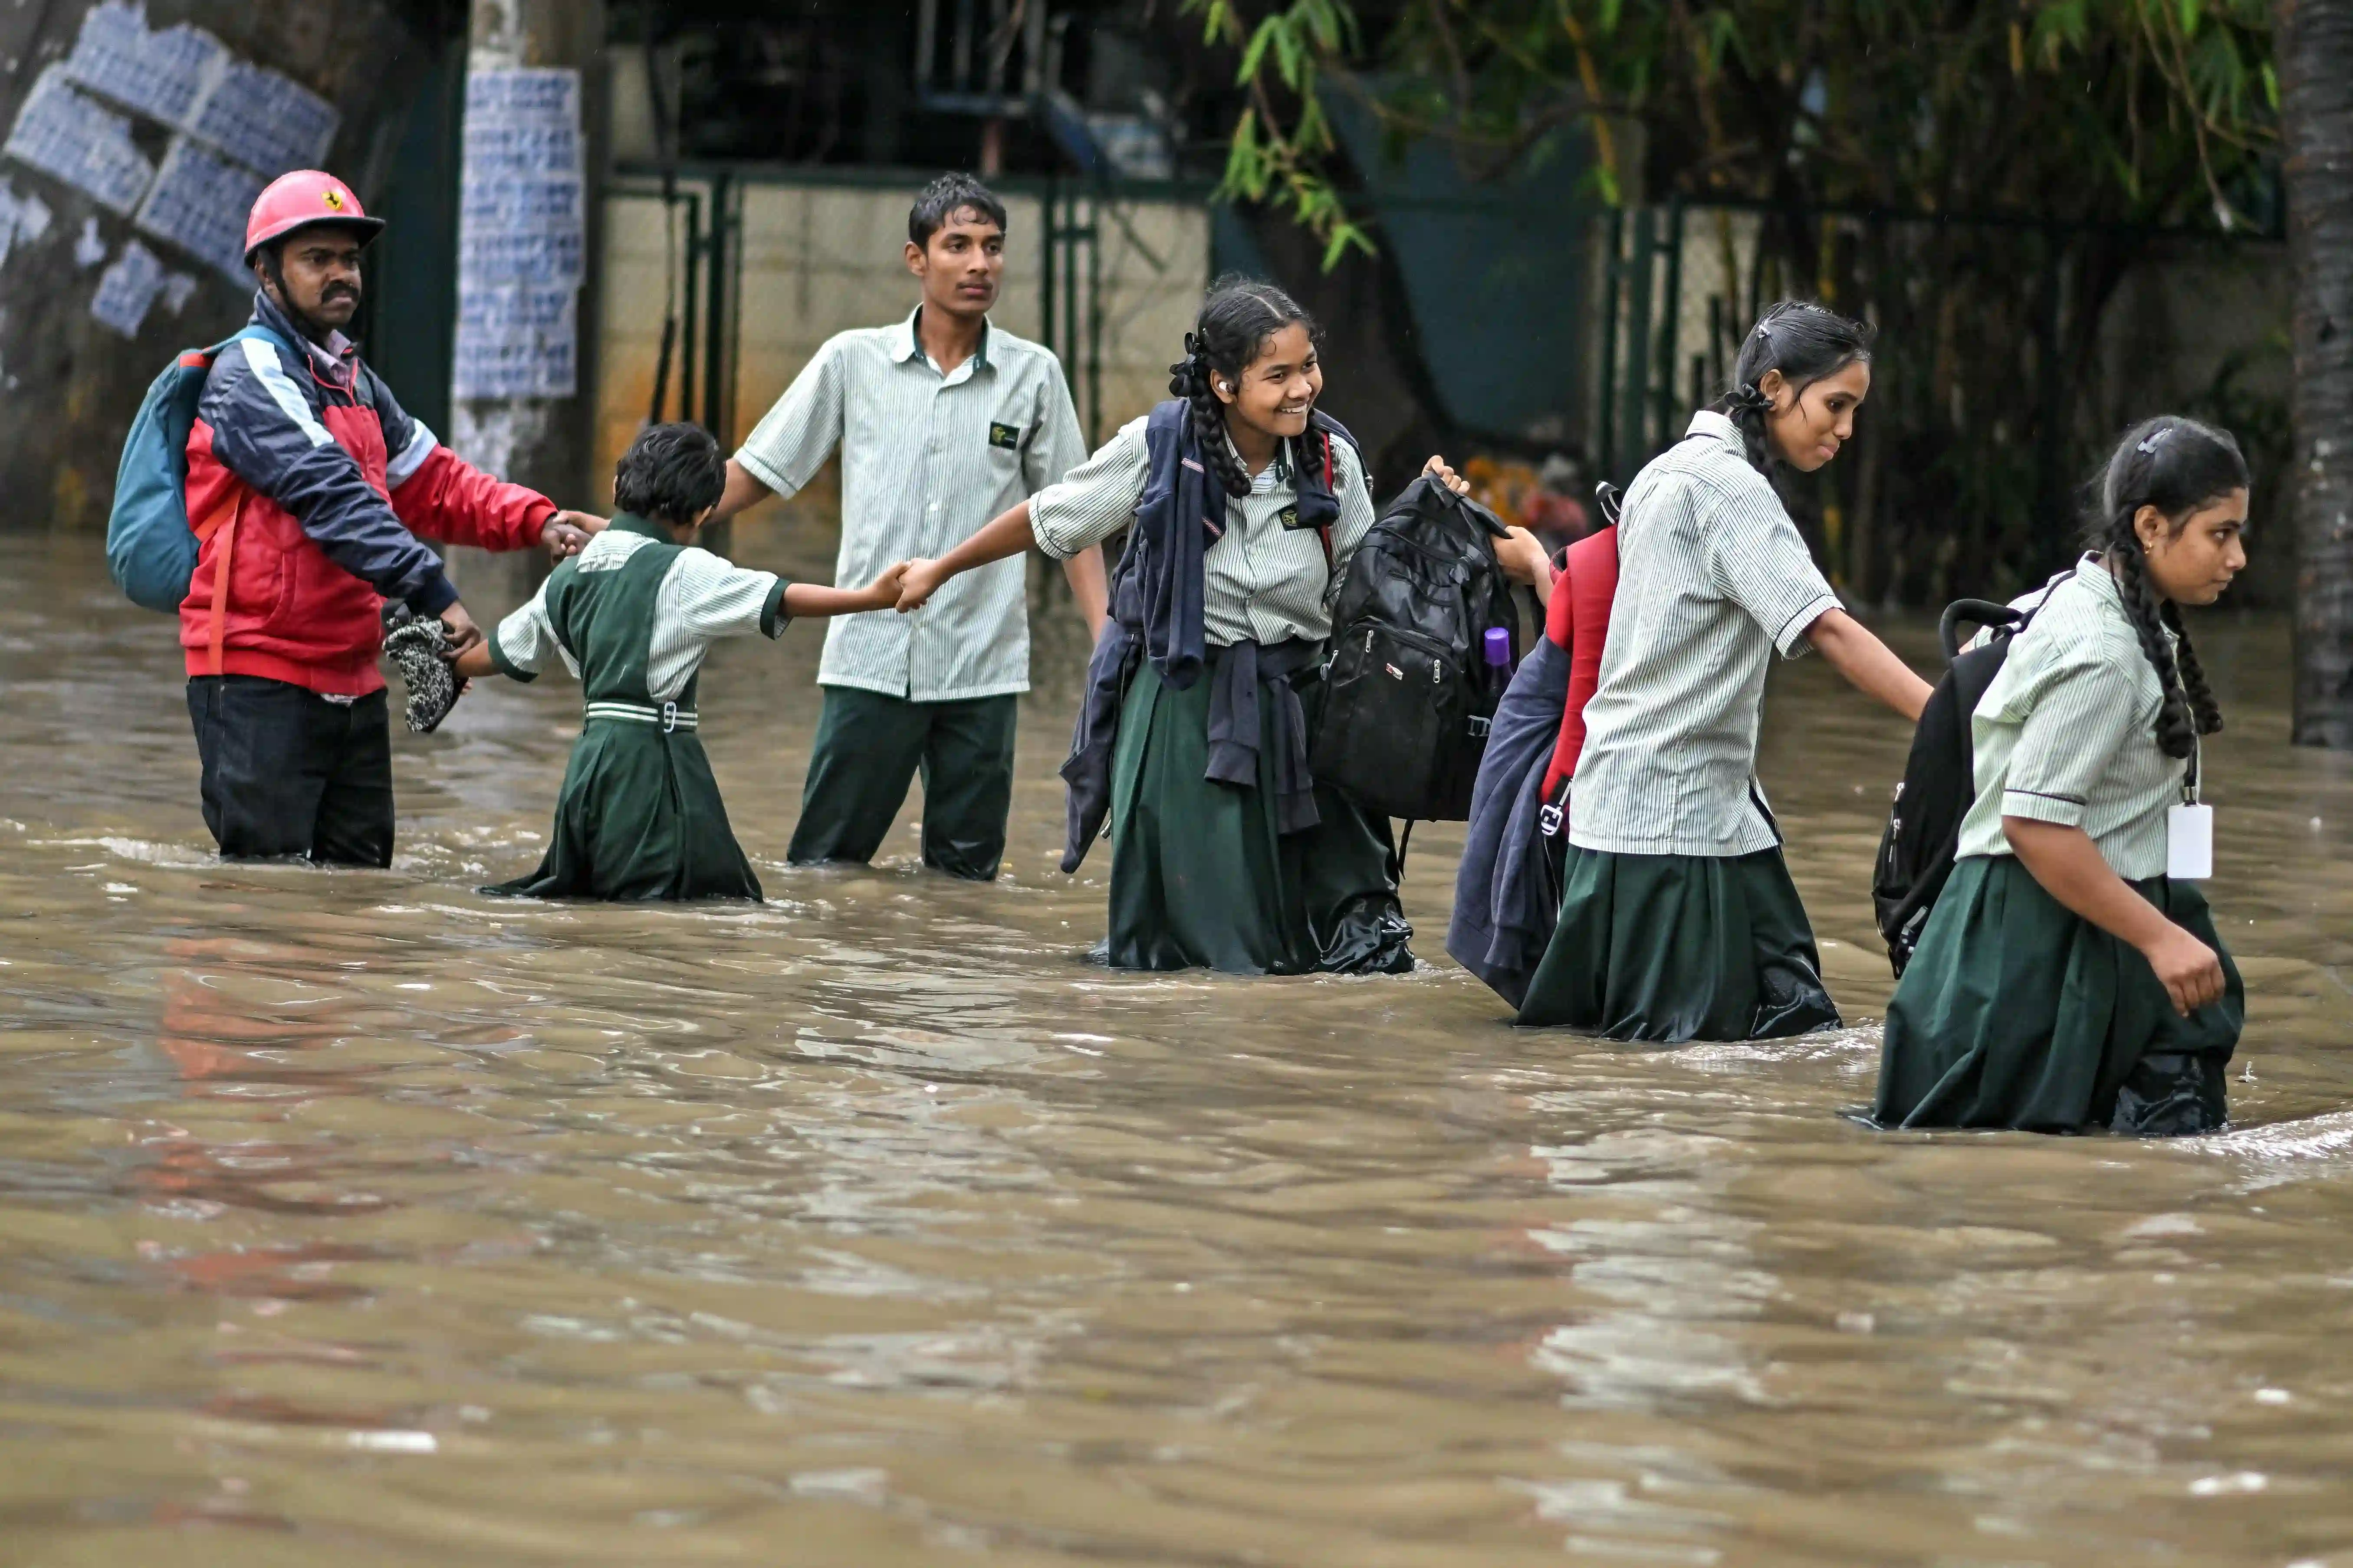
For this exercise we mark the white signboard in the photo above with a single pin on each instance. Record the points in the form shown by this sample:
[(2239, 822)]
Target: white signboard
[(522, 229)]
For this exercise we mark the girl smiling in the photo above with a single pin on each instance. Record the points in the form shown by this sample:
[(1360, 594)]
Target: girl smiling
[(1247, 503)]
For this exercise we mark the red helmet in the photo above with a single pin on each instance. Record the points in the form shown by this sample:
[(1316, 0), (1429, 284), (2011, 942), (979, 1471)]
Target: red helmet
[(305, 199)]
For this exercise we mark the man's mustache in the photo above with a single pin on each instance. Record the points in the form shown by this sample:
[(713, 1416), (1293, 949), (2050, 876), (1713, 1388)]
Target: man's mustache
[(338, 292)]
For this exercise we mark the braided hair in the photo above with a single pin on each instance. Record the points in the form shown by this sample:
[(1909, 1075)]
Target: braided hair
[(1238, 315), (2177, 465), (1804, 341)]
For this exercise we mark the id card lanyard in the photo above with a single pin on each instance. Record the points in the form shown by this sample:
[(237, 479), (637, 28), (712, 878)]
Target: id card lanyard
[(2190, 829)]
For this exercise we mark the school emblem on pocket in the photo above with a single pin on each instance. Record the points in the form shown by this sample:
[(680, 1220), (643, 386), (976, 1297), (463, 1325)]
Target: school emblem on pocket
[(1007, 437), (1288, 517)]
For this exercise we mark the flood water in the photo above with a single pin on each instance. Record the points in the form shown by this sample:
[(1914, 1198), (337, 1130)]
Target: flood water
[(354, 1217)]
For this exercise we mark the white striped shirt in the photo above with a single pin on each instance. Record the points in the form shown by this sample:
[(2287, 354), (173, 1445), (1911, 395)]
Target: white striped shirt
[(1712, 577), (1265, 580), (2067, 732), (702, 598), (926, 459)]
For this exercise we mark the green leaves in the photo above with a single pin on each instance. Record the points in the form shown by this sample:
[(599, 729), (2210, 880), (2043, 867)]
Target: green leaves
[(1283, 135), (2153, 111)]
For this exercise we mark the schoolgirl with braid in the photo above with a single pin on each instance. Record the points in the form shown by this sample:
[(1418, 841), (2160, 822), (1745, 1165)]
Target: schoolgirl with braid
[(1246, 503), (2066, 981), (1678, 919)]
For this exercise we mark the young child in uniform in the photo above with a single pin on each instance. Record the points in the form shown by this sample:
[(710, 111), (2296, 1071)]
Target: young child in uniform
[(2066, 979), (1678, 919), (1247, 505), (632, 616)]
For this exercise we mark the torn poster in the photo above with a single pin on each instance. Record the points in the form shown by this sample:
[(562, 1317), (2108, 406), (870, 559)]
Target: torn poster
[(198, 204), (76, 139), (21, 217), (264, 120), (188, 79), (161, 75), (516, 340), (127, 288), (521, 236)]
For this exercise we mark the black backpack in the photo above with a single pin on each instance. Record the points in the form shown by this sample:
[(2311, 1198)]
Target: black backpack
[(1924, 824), (1407, 689)]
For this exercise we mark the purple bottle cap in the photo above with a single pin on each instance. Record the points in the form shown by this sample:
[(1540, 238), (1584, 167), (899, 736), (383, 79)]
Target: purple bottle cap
[(1499, 647)]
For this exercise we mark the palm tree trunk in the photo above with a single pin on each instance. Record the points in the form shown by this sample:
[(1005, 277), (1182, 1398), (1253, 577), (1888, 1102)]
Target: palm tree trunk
[(2315, 56)]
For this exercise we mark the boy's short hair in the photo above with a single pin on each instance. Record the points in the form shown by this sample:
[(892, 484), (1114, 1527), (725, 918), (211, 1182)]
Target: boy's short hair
[(671, 472), (942, 199)]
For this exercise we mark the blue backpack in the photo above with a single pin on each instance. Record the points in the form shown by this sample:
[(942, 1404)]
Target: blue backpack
[(151, 540)]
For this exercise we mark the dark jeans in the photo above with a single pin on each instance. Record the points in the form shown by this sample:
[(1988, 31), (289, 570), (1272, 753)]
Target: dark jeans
[(288, 773), (870, 747)]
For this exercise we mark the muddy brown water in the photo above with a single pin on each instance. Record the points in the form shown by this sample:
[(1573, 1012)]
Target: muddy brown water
[(354, 1217)]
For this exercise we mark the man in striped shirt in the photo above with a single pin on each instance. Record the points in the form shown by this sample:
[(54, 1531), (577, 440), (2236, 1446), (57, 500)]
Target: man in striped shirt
[(943, 421)]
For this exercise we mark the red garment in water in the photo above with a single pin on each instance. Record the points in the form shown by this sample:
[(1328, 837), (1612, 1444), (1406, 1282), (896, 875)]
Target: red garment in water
[(1578, 622)]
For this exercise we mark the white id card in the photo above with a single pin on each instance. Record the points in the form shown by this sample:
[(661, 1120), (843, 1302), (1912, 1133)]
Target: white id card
[(2189, 843)]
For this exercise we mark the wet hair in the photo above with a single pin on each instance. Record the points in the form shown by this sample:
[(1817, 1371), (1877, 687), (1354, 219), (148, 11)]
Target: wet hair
[(1804, 341), (672, 473), (1237, 316), (942, 199), (2177, 465)]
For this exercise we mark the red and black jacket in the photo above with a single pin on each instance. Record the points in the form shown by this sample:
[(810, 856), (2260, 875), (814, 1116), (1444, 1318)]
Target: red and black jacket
[(332, 483)]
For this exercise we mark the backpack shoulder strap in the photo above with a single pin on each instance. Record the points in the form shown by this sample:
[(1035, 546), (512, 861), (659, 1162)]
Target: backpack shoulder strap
[(2049, 588), (1331, 482), (250, 332)]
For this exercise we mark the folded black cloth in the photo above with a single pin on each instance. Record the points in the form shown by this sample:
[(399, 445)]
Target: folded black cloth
[(1238, 673), (419, 644), (1157, 613)]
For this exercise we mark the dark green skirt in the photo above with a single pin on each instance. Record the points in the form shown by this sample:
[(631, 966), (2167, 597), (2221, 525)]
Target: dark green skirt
[(639, 818), (1680, 947), (2015, 1012), (1200, 877)]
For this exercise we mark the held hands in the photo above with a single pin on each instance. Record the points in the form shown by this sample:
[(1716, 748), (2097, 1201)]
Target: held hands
[(883, 593), (922, 581), (568, 532), (2186, 968), (463, 633), (1447, 476)]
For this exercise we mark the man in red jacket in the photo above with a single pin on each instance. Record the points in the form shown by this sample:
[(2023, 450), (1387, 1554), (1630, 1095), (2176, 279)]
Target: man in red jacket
[(329, 482)]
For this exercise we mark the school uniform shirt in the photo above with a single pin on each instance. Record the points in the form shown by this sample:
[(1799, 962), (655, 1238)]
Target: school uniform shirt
[(927, 457), (2067, 732), (1265, 580), (702, 598), (1712, 577)]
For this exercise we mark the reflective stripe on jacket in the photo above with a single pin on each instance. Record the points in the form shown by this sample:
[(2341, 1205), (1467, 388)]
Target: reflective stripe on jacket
[(337, 481)]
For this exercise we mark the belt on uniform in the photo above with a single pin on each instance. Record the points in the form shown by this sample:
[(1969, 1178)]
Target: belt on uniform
[(666, 716)]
